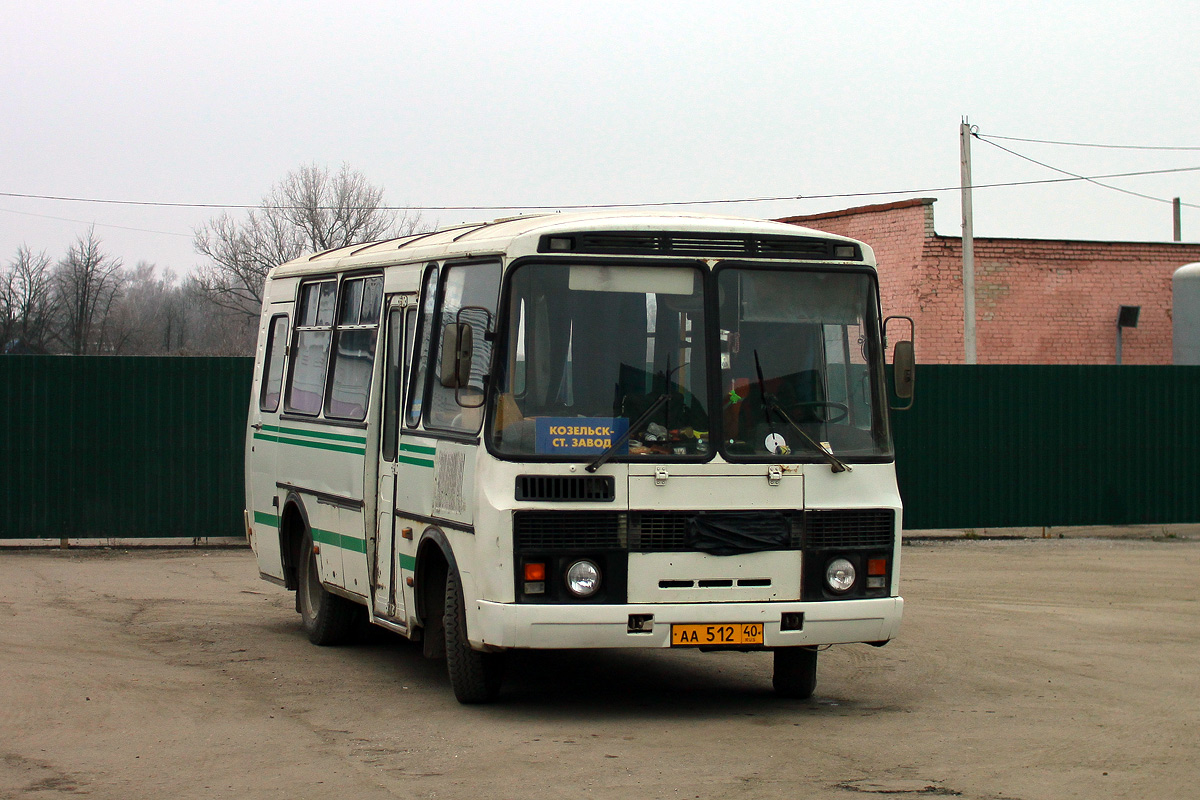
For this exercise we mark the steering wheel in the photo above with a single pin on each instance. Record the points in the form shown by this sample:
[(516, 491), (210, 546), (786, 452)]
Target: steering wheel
[(826, 404)]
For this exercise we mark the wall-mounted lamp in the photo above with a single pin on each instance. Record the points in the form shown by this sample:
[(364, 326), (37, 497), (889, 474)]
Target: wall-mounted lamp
[(1127, 317)]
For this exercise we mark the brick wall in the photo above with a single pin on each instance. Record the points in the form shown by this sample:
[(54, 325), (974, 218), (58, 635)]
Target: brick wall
[(1037, 301)]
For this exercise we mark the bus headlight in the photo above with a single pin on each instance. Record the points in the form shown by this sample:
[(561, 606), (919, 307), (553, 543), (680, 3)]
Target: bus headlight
[(583, 578), (839, 575)]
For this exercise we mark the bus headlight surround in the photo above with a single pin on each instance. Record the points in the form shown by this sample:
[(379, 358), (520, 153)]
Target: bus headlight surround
[(839, 575), (583, 578)]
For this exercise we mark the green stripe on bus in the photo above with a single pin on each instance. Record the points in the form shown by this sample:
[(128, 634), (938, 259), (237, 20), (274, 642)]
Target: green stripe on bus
[(337, 437), (336, 539), (339, 540), (417, 448), (418, 462), (263, 518), (339, 448)]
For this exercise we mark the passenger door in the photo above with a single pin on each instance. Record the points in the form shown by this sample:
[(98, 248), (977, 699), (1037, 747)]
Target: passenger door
[(388, 601)]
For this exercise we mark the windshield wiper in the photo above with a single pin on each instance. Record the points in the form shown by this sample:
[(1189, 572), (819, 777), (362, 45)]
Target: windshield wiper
[(624, 437), (766, 399), (770, 404), (835, 463)]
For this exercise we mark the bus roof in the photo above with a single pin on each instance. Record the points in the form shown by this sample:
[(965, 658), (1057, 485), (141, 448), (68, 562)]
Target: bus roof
[(517, 236)]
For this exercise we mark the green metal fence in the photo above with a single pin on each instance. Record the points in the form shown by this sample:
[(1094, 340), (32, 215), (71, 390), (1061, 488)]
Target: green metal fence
[(999, 446), (122, 447), (117, 447)]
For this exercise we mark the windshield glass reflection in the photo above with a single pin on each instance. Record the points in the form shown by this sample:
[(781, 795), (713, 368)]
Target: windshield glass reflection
[(800, 364), (591, 349)]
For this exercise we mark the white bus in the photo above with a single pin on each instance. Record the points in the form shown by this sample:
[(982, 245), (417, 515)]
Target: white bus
[(581, 431)]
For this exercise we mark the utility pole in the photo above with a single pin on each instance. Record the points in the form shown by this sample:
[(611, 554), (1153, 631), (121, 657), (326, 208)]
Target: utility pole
[(1177, 204), (968, 242)]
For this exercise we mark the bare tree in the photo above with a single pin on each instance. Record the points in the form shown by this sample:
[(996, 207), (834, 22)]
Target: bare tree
[(145, 318), (157, 315), (310, 210), (199, 327), (8, 313), (86, 284), (26, 303), (175, 319)]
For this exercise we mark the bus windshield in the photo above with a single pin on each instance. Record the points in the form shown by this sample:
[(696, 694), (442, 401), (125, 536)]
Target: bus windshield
[(801, 364), (593, 348)]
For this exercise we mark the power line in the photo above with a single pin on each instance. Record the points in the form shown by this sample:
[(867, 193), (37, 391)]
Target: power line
[(1091, 144), (154, 203), (585, 206), (97, 224), (1073, 175)]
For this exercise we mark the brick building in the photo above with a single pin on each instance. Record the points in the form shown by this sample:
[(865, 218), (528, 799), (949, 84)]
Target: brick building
[(1037, 301)]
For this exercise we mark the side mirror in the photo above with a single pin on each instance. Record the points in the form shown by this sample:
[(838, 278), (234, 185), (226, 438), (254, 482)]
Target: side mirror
[(457, 341), (904, 363), (904, 367)]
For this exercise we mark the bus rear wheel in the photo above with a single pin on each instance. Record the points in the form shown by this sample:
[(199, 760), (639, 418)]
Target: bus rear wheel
[(474, 676), (795, 672), (327, 619)]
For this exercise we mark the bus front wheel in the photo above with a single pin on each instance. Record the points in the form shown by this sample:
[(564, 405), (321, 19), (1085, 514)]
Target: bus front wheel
[(474, 676), (327, 619), (795, 672)]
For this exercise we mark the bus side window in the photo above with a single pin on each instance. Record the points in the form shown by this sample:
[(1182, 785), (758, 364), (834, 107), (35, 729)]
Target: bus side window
[(474, 290), (272, 378), (310, 351), (354, 349), (393, 378), (410, 337), (416, 386)]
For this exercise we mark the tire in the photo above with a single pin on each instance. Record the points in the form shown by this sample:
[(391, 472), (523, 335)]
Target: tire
[(474, 676), (326, 618), (795, 672)]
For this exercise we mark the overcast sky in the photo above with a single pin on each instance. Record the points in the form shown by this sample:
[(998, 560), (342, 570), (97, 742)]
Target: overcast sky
[(459, 103)]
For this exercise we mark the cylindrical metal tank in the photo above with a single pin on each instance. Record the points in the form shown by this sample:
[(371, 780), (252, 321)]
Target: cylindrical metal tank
[(1185, 313)]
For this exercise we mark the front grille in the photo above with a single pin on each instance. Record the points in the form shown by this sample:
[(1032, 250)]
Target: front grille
[(699, 244), (847, 529), (658, 531), (566, 488), (566, 530), (667, 531), (637, 531)]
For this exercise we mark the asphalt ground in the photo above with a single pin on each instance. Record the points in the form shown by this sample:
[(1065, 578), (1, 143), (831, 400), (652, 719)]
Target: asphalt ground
[(1026, 669)]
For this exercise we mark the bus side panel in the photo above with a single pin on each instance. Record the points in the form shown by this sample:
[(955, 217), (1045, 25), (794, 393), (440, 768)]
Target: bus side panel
[(325, 465), (326, 521), (453, 489), (415, 465), (435, 481), (495, 499)]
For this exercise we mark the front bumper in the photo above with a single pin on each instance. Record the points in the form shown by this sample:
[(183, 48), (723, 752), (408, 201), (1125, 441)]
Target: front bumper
[(595, 626)]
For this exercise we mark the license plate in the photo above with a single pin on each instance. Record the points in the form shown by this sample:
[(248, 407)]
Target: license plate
[(704, 635)]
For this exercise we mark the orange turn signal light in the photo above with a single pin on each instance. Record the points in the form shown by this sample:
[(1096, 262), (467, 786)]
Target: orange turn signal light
[(877, 566), (535, 572)]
